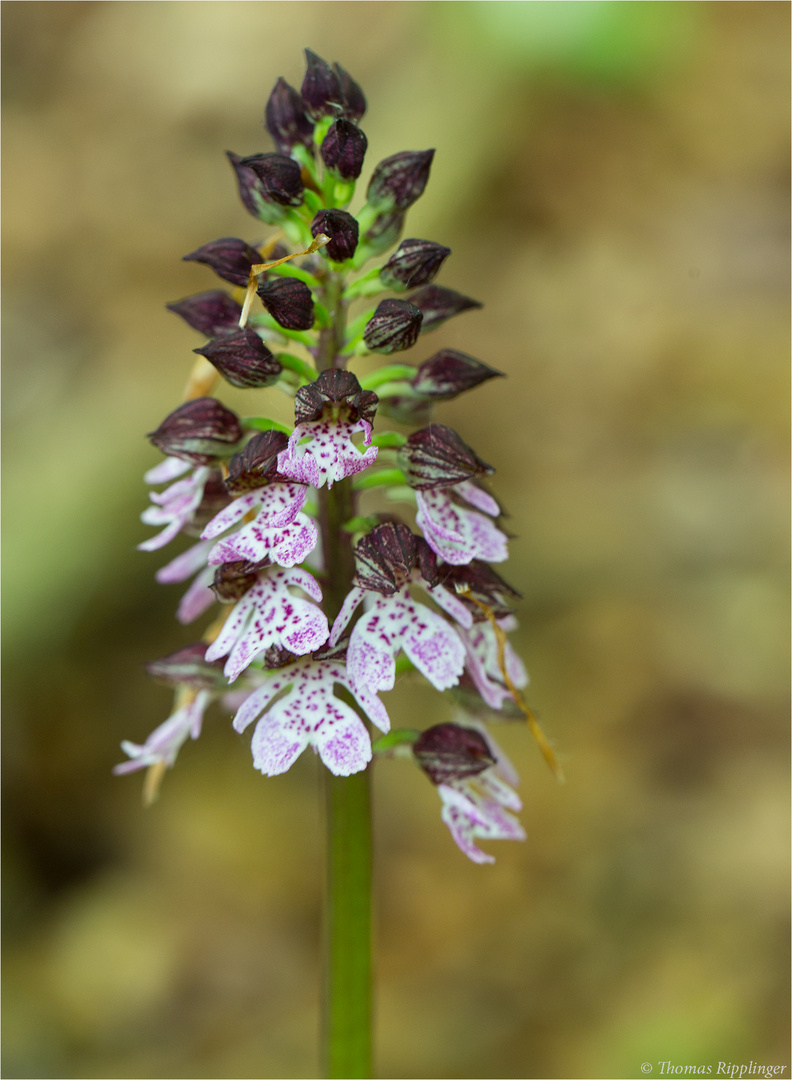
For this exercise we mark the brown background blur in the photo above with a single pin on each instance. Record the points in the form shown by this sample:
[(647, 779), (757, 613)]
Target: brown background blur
[(613, 181)]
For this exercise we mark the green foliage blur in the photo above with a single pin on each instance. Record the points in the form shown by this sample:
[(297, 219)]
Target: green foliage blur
[(612, 179)]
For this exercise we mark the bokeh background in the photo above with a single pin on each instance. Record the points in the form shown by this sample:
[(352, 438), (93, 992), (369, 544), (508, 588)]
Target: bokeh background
[(613, 181)]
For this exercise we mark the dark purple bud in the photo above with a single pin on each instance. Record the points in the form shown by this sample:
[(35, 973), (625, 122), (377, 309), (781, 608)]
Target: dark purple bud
[(342, 229), (242, 359), (384, 231), (212, 313), (436, 457), (484, 584), (230, 258), (188, 667), (393, 327), (285, 119), (344, 148), (334, 387), (279, 176), (416, 262), (399, 180), (232, 580), (451, 752), (289, 302), (253, 192), (449, 373), (321, 88), (438, 304), (199, 431), (352, 97), (257, 464), (214, 499), (385, 558)]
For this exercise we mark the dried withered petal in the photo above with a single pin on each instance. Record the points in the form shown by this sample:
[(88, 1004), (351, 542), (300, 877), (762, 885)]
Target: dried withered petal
[(232, 580), (352, 97), (484, 584), (256, 464), (435, 456), (398, 181), (288, 301), (414, 263), (452, 752), (280, 178), (215, 498), (449, 373), (384, 231), (343, 231), (344, 149), (242, 359), (285, 119), (334, 386), (321, 88), (394, 326), (198, 431), (211, 313), (438, 304), (384, 558), (229, 257), (188, 667)]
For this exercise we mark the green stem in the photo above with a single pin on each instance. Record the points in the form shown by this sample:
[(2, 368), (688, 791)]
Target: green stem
[(347, 1004)]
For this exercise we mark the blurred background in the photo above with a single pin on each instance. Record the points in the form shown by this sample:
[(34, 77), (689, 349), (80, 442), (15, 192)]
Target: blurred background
[(613, 181)]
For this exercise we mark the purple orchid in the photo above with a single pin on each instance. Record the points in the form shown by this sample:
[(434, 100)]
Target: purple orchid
[(269, 614), (279, 531), (199, 596), (456, 526), (328, 413), (479, 808), (389, 560), (164, 743), (175, 506), (481, 647), (310, 715)]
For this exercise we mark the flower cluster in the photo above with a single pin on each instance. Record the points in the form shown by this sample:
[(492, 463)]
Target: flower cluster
[(317, 591)]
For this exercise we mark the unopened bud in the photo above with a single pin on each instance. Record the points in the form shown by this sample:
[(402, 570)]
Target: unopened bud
[(436, 457), (344, 148), (280, 177), (289, 302), (384, 231), (230, 258), (438, 304), (242, 359), (199, 431), (256, 464), (398, 181), (321, 88), (352, 97), (342, 229), (416, 262), (451, 752), (394, 327), (285, 119), (212, 313), (449, 373)]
